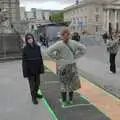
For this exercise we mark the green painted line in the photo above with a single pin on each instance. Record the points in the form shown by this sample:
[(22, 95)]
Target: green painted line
[(48, 107), (83, 102), (50, 110), (73, 105)]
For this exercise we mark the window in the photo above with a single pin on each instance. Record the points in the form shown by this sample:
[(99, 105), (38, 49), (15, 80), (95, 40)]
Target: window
[(73, 12), (77, 11), (73, 27), (97, 28), (85, 18), (32, 27), (97, 18), (97, 9)]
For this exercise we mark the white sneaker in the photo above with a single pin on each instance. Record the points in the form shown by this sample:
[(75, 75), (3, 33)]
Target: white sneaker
[(111, 72)]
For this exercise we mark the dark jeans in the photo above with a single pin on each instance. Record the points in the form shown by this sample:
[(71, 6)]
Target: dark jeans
[(34, 83), (112, 63)]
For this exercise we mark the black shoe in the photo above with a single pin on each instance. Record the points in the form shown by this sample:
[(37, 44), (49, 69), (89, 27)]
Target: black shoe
[(64, 96), (35, 102), (39, 96), (71, 96)]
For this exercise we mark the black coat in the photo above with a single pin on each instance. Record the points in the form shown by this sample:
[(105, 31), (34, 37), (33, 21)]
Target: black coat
[(105, 36), (32, 61), (76, 37)]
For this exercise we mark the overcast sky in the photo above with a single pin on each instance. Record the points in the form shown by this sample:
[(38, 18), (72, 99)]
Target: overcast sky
[(46, 4)]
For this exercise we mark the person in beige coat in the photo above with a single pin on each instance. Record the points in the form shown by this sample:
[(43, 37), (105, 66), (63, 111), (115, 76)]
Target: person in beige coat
[(65, 52)]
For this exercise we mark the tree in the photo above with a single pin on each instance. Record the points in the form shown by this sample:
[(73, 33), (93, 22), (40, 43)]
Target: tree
[(57, 17)]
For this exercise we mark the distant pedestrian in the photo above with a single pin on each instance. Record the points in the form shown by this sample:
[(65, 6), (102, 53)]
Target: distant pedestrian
[(42, 39), (66, 52), (58, 36), (105, 37), (113, 47), (32, 64), (76, 37)]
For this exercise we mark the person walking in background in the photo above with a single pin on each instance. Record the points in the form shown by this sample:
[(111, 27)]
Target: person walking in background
[(65, 52), (42, 39), (76, 37), (113, 47), (32, 64), (105, 37)]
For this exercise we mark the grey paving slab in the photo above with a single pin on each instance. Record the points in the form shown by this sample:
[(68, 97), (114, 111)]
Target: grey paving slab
[(15, 100)]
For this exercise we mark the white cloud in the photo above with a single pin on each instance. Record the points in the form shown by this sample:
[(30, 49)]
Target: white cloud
[(46, 4)]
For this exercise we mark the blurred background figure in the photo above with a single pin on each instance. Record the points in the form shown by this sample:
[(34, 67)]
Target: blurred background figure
[(58, 36), (42, 39), (113, 48), (105, 37), (76, 36)]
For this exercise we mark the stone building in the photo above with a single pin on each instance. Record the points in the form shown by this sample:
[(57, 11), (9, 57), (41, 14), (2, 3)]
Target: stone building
[(9, 38), (94, 16), (112, 16), (12, 12), (40, 14), (12, 7), (23, 14)]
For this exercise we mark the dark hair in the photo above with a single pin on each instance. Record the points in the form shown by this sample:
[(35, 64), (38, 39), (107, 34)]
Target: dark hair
[(27, 37)]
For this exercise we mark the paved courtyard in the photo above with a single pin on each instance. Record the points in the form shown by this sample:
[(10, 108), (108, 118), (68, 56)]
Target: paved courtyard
[(15, 100)]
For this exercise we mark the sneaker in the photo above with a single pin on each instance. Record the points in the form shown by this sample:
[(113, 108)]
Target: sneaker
[(110, 72), (35, 102), (39, 96), (65, 103), (70, 102)]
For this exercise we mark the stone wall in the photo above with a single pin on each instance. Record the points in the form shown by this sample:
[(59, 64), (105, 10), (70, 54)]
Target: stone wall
[(9, 44)]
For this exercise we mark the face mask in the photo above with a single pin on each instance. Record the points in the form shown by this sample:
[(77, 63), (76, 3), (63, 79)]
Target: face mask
[(30, 41)]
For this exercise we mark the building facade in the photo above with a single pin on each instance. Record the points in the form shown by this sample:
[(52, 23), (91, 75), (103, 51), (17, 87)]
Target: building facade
[(93, 16), (112, 17), (23, 15), (12, 7), (29, 15), (39, 14)]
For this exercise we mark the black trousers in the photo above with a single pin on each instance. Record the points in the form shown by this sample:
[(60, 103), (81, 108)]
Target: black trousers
[(112, 63), (34, 83)]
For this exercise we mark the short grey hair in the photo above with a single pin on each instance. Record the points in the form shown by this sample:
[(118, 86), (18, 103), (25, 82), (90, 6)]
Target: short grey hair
[(64, 30)]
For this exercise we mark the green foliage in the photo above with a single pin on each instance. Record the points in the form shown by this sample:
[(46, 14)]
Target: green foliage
[(57, 17)]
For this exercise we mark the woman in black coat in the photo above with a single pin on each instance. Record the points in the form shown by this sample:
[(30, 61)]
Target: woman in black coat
[(32, 64), (76, 37)]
